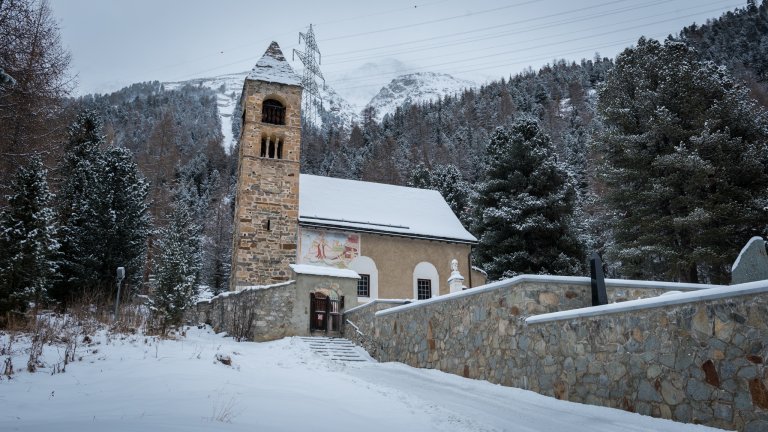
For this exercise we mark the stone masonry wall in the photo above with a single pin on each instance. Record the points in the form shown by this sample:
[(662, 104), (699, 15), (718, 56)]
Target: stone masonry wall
[(475, 334), (261, 314), (359, 322), (267, 194), (699, 362)]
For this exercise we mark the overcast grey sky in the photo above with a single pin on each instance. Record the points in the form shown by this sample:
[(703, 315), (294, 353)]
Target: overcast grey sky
[(118, 42)]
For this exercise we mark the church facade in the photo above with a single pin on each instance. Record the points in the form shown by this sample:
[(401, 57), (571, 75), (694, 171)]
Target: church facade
[(400, 241)]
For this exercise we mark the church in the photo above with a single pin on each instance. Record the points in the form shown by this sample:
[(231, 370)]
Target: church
[(399, 242)]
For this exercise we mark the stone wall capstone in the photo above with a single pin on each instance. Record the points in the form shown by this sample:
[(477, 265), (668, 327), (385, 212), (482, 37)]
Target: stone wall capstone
[(752, 262)]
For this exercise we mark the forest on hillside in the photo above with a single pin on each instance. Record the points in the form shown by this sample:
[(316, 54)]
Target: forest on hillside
[(656, 159)]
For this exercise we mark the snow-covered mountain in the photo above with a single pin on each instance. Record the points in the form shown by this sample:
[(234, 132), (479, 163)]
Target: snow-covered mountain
[(416, 88), (358, 85), (334, 109)]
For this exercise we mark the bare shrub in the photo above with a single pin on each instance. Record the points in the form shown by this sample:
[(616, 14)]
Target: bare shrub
[(242, 321), (224, 411)]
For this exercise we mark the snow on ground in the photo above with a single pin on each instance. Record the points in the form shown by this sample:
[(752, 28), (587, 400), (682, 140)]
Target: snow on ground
[(136, 382)]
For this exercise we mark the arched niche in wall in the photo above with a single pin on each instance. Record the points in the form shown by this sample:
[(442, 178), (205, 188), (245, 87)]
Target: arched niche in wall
[(426, 281), (364, 265)]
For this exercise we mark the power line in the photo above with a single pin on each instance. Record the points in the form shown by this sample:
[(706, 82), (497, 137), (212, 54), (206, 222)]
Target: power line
[(402, 27), (473, 31), (487, 65), (496, 35), (464, 42)]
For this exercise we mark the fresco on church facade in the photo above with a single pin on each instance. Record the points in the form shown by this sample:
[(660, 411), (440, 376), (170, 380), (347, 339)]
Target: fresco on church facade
[(329, 248)]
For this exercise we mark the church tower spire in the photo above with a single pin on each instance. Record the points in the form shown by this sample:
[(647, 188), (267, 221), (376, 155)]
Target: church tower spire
[(267, 195)]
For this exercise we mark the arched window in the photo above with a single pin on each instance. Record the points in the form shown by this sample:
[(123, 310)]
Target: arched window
[(273, 112), (426, 282), (369, 278)]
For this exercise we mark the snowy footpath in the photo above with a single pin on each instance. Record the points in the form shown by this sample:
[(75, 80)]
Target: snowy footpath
[(140, 383)]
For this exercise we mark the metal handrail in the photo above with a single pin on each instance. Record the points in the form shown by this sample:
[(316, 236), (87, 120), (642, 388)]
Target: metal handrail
[(364, 336)]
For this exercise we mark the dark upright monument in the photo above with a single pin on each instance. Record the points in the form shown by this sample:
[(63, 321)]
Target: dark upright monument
[(599, 297)]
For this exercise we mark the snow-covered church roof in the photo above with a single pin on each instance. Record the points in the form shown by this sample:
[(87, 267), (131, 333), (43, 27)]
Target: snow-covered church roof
[(273, 67), (328, 202)]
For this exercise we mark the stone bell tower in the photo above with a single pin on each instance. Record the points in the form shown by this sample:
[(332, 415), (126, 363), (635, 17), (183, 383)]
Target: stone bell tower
[(267, 196)]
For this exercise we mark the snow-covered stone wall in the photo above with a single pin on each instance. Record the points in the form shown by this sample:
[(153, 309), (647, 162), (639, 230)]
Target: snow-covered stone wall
[(697, 356), (269, 312), (259, 313)]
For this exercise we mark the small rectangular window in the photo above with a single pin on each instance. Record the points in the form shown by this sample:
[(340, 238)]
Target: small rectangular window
[(423, 289), (364, 286)]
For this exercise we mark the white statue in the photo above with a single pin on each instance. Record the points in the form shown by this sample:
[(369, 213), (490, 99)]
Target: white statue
[(456, 280)]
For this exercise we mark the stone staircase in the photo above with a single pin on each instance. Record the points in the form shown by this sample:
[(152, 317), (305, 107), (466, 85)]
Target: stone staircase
[(338, 349)]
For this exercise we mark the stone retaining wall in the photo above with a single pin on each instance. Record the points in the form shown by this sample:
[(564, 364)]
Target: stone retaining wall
[(694, 359), (259, 314), (701, 362), (359, 323)]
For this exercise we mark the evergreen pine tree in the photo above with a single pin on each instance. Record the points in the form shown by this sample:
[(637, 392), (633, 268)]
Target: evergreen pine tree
[(78, 214), (525, 206), (685, 164), (447, 180), (102, 210), (125, 221), (178, 265), (28, 246)]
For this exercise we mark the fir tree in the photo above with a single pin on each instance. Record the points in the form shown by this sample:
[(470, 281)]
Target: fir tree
[(28, 246), (447, 180), (178, 265), (77, 212), (103, 211), (125, 221), (685, 163), (525, 206)]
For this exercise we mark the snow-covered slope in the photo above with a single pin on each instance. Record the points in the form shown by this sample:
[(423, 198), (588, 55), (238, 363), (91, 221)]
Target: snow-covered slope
[(416, 88), (206, 382), (228, 88), (335, 109)]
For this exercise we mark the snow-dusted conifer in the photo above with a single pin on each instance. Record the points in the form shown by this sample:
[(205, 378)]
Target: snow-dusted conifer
[(525, 206), (685, 163), (77, 212), (28, 246), (447, 180), (125, 220), (102, 209), (178, 265)]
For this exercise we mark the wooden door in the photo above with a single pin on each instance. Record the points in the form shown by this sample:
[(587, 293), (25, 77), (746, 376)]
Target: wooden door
[(318, 312)]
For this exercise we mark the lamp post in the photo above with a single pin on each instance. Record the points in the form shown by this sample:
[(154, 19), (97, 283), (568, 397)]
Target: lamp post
[(120, 276)]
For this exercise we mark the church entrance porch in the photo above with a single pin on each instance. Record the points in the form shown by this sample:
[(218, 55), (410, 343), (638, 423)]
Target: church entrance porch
[(326, 309)]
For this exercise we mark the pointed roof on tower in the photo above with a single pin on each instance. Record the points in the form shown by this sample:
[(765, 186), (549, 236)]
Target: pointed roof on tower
[(272, 67)]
